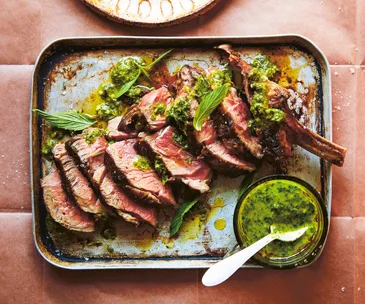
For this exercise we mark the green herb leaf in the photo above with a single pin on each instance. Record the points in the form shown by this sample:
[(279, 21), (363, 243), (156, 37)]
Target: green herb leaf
[(246, 182), (179, 215), (158, 59), (142, 69), (208, 104), (125, 88), (71, 120)]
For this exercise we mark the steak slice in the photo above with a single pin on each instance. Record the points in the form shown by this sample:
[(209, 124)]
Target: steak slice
[(153, 107), (218, 155), (149, 115), (180, 164), (239, 115), (91, 159), (61, 208), (142, 183), (115, 134), (78, 184)]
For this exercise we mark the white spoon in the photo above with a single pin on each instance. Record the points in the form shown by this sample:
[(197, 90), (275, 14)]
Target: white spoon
[(222, 270)]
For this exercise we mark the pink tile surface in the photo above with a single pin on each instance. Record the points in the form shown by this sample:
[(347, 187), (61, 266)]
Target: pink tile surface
[(20, 31), (14, 154), (330, 24), (124, 286), (359, 288), (360, 145), (344, 80), (336, 26), (329, 280), (360, 32), (21, 275)]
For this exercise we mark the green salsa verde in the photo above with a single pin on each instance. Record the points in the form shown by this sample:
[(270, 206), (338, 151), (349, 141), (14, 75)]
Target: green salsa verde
[(263, 116), (285, 204)]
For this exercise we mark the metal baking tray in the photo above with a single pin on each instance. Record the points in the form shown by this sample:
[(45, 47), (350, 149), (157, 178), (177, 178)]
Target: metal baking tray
[(68, 70)]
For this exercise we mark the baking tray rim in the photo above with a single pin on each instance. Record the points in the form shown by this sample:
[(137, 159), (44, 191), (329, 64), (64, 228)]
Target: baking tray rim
[(183, 262)]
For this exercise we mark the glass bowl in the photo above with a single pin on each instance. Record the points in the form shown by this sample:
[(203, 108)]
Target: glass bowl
[(310, 252)]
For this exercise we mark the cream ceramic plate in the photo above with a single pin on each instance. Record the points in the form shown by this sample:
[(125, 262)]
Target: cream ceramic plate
[(150, 13)]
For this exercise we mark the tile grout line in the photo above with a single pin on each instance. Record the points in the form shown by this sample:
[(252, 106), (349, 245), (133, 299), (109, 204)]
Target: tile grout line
[(357, 20), (22, 211)]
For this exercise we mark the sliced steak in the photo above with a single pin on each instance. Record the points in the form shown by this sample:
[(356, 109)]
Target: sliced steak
[(91, 158), (128, 123), (239, 115), (149, 115), (218, 155), (77, 183), (115, 134), (214, 150), (142, 182), (153, 107), (181, 164), (63, 210)]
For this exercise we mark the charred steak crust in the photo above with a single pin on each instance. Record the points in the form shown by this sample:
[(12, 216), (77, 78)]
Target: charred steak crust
[(61, 208), (143, 184)]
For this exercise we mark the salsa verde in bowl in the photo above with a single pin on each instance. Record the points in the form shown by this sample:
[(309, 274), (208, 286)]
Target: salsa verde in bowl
[(288, 203)]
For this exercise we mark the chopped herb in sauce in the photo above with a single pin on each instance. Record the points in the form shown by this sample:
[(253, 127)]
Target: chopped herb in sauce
[(53, 138), (201, 88), (161, 170), (179, 113), (48, 146), (264, 117), (125, 70), (93, 134), (220, 77), (180, 139), (142, 163), (123, 87), (108, 110), (283, 203), (158, 109)]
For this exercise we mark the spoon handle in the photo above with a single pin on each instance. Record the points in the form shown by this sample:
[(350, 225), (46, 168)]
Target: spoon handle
[(222, 270)]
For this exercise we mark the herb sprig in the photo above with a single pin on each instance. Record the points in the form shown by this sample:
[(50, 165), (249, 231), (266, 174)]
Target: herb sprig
[(70, 120), (180, 213), (141, 70), (208, 104)]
